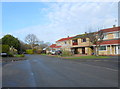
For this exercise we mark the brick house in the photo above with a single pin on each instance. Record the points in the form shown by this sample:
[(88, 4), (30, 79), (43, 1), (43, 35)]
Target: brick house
[(65, 43), (111, 42), (80, 44), (109, 46)]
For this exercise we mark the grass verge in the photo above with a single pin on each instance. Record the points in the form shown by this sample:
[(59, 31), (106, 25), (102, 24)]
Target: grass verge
[(19, 55), (87, 57)]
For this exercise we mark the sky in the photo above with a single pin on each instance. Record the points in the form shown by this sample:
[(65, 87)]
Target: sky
[(50, 21)]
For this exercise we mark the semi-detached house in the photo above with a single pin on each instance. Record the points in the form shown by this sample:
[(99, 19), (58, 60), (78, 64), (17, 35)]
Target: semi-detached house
[(80, 44), (110, 45)]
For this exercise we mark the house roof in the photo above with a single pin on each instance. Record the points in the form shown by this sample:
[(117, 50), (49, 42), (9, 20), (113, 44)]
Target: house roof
[(54, 46), (63, 39), (81, 36), (111, 29), (115, 41), (104, 30)]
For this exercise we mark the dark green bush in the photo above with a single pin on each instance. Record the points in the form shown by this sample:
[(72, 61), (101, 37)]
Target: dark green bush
[(5, 48), (10, 55)]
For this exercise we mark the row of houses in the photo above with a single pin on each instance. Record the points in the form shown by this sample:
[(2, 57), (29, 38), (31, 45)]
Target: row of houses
[(80, 44)]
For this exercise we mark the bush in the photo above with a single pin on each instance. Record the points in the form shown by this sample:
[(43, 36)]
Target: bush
[(29, 51), (66, 53), (19, 55), (10, 55), (5, 48)]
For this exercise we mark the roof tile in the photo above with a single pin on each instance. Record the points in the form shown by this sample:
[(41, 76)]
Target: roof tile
[(54, 46), (111, 42), (63, 39)]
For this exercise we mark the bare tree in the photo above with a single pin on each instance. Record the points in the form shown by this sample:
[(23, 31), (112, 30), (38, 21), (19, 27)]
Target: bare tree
[(44, 45), (31, 39), (96, 38)]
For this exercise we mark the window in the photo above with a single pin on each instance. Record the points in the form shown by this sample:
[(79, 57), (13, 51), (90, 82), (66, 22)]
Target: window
[(84, 40), (65, 42), (118, 47), (117, 34), (105, 36), (102, 48), (75, 42)]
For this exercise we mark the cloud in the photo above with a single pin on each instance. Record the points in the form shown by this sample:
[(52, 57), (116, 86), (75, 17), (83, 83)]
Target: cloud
[(69, 19)]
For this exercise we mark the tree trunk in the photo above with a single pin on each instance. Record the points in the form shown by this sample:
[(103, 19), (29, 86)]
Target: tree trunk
[(32, 46), (97, 51)]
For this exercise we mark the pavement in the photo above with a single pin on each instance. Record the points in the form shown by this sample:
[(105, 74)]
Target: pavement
[(45, 71)]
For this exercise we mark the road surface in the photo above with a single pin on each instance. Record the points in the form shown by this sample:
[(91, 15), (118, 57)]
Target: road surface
[(45, 71)]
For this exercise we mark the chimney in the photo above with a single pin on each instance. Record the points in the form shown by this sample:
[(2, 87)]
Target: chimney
[(68, 36), (114, 26)]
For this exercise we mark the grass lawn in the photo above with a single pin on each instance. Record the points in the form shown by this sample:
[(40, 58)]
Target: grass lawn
[(19, 55), (78, 57), (87, 57)]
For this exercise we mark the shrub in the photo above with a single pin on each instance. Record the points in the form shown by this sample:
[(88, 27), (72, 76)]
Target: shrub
[(29, 51), (66, 53), (5, 48), (19, 55), (10, 55)]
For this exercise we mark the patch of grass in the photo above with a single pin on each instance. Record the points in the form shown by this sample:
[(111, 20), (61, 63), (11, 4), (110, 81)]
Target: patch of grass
[(88, 57), (19, 55)]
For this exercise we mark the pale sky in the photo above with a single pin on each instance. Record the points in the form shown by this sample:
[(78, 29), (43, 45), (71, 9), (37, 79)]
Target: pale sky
[(50, 21)]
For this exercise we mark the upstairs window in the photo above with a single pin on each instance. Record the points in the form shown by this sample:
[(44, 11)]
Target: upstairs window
[(105, 36), (65, 42), (117, 34), (75, 42), (84, 40)]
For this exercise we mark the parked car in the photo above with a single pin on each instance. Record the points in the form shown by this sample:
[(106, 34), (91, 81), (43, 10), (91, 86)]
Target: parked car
[(58, 52), (3, 54), (52, 52)]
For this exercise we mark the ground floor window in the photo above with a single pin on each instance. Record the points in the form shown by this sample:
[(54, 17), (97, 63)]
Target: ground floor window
[(102, 48), (117, 49), (118, 46)]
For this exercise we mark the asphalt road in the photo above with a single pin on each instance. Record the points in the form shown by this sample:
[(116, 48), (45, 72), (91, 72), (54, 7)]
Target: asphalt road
[(44, 71)]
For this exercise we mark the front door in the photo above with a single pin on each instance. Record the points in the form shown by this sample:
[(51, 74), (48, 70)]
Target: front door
[(76, 51), (83, 50)]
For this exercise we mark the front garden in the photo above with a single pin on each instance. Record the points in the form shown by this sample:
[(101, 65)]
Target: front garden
[(86, 57), (69, 55)]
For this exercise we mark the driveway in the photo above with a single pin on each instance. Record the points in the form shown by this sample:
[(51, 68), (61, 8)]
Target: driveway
[(45, 71)]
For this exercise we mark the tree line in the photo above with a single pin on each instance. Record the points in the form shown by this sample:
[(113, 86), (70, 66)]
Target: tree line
[(31, 41)]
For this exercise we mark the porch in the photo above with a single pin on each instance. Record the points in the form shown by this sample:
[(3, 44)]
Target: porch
[(82, 50)]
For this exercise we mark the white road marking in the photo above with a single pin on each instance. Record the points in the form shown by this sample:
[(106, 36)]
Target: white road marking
[(32, 73)]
